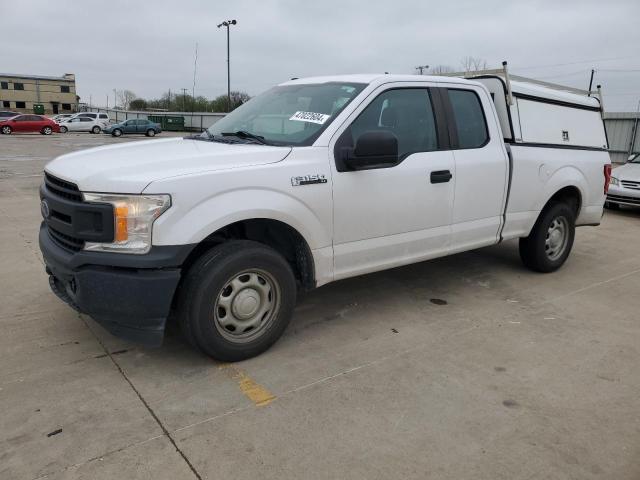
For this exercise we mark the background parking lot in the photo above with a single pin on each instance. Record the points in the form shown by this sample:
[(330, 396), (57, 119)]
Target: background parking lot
[(468, 366)]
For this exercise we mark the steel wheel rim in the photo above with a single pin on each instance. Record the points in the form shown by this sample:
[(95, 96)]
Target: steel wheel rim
[(246, 306), (557, 238)]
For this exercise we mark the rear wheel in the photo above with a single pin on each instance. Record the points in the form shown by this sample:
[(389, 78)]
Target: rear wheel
[(6, 129), (117, 132), (63, 129), (151, 133), (95, 129), (551, 239), (46, 131), (237, 300)]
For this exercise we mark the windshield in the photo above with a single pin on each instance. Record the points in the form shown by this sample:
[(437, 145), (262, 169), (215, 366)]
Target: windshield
[(635, 158), (288, 115)]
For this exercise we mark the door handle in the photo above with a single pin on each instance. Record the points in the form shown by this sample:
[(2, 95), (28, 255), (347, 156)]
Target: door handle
[(441, 176)]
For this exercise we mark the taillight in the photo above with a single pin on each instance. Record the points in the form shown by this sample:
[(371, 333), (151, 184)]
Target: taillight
[(607, 177)]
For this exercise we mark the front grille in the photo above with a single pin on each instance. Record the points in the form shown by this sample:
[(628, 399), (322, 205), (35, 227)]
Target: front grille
[(65, 241), (631, 185), (62, 188), (623, 199)]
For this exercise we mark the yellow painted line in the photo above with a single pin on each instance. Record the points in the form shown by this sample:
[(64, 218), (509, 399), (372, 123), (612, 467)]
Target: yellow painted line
[(252, 390)]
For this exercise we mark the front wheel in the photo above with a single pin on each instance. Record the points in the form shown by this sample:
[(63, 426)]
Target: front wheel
[(6, 129), (611, 206), (237, 300), (117, 132), (151, 133), (551, 239)]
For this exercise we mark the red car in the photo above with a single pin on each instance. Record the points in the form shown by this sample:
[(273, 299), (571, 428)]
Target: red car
[(29, 123)]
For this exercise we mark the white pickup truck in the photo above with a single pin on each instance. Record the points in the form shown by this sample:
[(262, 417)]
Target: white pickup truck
[(316, 180)]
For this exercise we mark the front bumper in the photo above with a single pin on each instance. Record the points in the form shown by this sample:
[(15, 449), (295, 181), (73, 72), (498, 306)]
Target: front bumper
[(623, 196), (129, 295)]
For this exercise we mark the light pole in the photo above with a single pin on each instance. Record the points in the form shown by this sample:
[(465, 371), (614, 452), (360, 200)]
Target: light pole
[(228, 23), (422, 67)]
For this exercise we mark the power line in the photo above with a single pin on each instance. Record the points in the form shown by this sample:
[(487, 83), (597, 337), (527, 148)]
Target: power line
[(576, 63)]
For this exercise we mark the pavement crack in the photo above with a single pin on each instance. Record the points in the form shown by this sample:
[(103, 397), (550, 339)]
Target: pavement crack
[(144, 402)]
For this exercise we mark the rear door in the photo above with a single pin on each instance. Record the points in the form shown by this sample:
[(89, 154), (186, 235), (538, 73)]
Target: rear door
[(481, 166)]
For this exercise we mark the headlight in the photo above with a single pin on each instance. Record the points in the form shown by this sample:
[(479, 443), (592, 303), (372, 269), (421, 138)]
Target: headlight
[(133, 220), (614, 181)]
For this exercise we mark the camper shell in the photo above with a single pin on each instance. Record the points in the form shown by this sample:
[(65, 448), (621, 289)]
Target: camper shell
[(544, 114)]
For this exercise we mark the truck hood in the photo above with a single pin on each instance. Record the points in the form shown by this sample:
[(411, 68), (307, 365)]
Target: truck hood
[(130, 167), (628, 171)]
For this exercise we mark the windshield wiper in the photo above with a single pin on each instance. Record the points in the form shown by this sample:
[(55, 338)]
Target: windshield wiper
[(248, 135)]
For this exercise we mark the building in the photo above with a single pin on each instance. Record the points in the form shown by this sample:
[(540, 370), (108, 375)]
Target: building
[(38, 94)]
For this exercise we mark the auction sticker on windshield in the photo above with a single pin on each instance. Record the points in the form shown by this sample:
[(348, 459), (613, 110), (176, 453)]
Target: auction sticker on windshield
[(311, 117)]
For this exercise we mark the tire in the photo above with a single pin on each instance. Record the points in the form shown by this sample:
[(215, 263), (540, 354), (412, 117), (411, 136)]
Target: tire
[(151, 133), (117, 132), (6, 129), (63, 129), (46, 131), (96, 129), (611, 206), (236, 285), (551, 239)]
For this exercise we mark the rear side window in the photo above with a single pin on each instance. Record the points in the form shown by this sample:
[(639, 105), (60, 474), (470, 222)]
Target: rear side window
[(407, 113), (469, 119)]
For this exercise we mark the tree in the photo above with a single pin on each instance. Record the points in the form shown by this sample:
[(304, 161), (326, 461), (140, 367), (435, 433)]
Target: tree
[(440, 69), (138, 104), (219, 104), (470, 64), (125, 97)]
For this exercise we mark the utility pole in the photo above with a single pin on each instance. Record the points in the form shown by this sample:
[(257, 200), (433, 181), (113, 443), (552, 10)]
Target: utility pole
[(184, 99), (591, 82), (422, 68), (227, 24), (169, 101), (115, 100), (107, 101)]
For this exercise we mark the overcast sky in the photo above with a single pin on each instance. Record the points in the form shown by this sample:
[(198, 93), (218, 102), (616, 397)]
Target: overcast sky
[(149, 47)]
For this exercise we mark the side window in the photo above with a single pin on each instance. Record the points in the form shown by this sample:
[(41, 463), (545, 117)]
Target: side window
[(103, 115), (407, 113), (469, 118)]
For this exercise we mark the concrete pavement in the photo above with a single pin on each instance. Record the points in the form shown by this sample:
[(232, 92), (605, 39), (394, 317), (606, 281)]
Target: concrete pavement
[(464, 367)]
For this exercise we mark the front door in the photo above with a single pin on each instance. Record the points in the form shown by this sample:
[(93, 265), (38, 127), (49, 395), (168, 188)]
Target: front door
[(385, 217)]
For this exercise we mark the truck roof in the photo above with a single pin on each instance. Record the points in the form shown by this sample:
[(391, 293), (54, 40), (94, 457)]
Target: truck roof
[(377, 78), (518, 85)]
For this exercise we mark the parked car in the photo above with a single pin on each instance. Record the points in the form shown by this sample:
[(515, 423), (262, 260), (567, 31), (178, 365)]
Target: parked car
[(28, 123), (102, 118), (624, 188), (81, 124), (374, 172), (139, 125), (7, 114), (62, 117)]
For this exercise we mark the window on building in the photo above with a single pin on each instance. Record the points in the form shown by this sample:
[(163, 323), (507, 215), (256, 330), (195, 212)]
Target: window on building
[(21, 105), (66, 106), (64, 89), (6, 104), (469, 118), (4, 85), (18, 86)]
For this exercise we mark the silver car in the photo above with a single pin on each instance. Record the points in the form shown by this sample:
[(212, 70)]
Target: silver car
[(624, 187)]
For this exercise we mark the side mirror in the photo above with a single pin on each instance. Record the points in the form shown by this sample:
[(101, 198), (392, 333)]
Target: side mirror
[(632, 157), (376, 149)]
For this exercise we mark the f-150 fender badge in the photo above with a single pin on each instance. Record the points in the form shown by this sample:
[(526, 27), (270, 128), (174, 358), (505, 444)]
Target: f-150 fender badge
[(308, 179)]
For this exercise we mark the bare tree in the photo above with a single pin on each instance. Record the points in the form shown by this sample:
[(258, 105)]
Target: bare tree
[(440, 69), (125, 97), (470, 64)]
